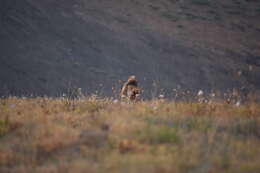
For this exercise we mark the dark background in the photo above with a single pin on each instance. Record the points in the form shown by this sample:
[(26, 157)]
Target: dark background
[(50, 47)]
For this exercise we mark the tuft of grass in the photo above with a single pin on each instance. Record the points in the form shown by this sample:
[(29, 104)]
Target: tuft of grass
[(159, 135), (4, 127)]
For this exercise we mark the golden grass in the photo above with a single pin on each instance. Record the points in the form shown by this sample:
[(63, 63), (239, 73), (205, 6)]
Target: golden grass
[(62, 135)]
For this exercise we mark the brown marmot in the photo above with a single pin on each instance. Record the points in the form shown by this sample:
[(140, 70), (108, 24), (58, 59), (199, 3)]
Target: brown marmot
[(130, 89)]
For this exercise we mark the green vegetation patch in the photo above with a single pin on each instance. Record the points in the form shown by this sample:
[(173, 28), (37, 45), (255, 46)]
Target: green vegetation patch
[(258, 11), (202, 2), (170, 16), (4, 127), (7, 126), (159, 135)]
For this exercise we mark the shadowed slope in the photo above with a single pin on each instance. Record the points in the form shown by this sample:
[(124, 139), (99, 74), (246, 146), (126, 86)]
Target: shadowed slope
[(50, 47)]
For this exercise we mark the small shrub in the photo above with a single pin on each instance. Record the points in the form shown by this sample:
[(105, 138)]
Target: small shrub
[(258, 11), (201, 2), (68, 105), (155, 8), (89, 106), (246, 127), (170, 16), (195, 124), (180, 26), (4, 127), (159, 135)]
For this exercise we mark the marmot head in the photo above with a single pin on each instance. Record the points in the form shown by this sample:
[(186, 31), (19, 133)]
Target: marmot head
[(131, 78), (132, 81)]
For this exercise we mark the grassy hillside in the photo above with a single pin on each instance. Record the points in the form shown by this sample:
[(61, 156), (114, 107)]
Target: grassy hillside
[(102, 135), (52, 46)]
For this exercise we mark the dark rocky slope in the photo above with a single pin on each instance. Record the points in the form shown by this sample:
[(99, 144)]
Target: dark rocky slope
[(53, 46)]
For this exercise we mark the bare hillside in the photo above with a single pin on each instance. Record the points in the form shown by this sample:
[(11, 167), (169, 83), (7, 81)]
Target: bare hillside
[(52, 46)]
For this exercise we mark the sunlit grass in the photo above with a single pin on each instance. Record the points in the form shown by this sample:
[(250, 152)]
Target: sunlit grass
[(100, 135)]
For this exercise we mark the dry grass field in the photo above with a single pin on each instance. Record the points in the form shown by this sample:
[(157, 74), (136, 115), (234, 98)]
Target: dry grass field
[(50, 135)]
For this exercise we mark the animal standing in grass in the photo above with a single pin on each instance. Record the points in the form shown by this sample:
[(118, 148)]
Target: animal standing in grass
[(130, 90)]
